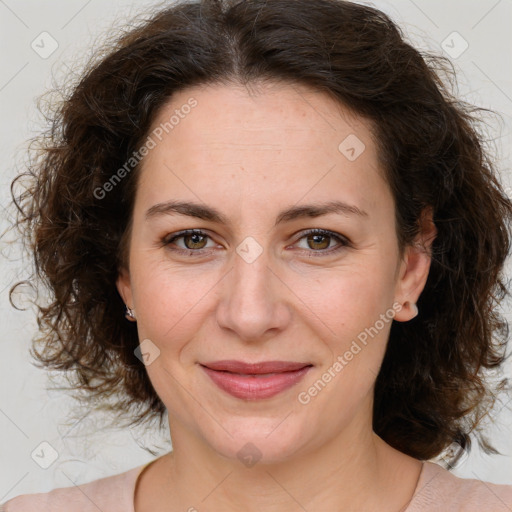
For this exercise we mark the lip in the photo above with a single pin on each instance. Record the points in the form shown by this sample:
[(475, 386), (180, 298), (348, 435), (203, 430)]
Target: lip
[(254, 381)]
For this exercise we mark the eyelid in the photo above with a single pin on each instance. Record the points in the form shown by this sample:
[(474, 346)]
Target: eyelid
[(344, 242), (180, 234)]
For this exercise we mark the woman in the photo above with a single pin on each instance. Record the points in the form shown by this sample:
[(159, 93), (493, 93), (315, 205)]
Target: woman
[(271, 221)]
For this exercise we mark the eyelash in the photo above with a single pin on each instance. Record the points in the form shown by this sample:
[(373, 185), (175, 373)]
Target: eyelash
[(343, 241)]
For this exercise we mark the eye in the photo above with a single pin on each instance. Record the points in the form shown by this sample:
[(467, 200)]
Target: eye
[(319, 241), (194, 241)]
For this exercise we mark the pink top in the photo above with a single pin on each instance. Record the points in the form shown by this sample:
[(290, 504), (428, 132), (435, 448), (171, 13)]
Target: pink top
[(437, 490)]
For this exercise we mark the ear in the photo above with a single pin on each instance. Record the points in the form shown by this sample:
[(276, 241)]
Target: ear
[(414, 267), (124, 287)]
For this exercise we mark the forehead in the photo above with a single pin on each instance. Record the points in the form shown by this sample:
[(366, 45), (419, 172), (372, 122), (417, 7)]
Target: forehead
[(286, 138), (257, 113)]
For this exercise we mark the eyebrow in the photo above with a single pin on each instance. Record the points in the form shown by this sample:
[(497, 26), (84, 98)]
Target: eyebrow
[(205, 212)]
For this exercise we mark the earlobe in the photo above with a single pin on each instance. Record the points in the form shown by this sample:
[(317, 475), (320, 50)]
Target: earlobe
[(408, 308), (124, 288), (415, 267)]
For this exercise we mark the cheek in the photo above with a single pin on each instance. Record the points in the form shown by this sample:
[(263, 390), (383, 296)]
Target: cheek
[(171, 302), (346, 300), (355, 314)]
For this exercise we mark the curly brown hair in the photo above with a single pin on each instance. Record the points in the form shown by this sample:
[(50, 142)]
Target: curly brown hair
[(431, 390)]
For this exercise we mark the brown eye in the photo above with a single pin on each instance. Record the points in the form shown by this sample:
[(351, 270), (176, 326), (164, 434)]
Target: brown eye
[(193, 242), (316, 241)]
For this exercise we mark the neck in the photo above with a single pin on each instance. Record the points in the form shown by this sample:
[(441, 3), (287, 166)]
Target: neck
[(353, 471)]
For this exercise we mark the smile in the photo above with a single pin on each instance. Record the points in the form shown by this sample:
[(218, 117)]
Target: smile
[(257, 380)]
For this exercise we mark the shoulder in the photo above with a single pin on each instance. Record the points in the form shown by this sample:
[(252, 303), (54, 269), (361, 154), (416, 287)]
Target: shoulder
[(113, 493), (440, 490)]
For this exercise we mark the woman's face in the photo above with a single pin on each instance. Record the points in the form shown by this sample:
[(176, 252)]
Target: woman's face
[(254, 285)]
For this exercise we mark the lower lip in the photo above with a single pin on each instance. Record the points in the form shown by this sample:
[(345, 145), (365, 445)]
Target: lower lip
[(255, 387)]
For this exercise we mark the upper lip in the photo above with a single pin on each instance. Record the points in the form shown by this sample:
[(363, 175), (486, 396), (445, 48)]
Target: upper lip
[(255, 368)]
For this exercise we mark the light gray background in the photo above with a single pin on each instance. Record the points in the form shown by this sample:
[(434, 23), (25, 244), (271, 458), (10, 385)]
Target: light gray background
[(30, 415)]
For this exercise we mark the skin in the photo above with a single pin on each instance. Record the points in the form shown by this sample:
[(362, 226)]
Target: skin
[(251, 154)]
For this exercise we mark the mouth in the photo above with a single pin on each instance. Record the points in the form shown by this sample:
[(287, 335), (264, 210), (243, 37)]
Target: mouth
[(255, 381)]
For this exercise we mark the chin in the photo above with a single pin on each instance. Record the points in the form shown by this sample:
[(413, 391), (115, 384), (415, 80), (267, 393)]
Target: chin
[(258, 440)]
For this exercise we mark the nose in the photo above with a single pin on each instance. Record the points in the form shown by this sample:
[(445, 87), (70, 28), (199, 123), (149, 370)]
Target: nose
[(253, 302)]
